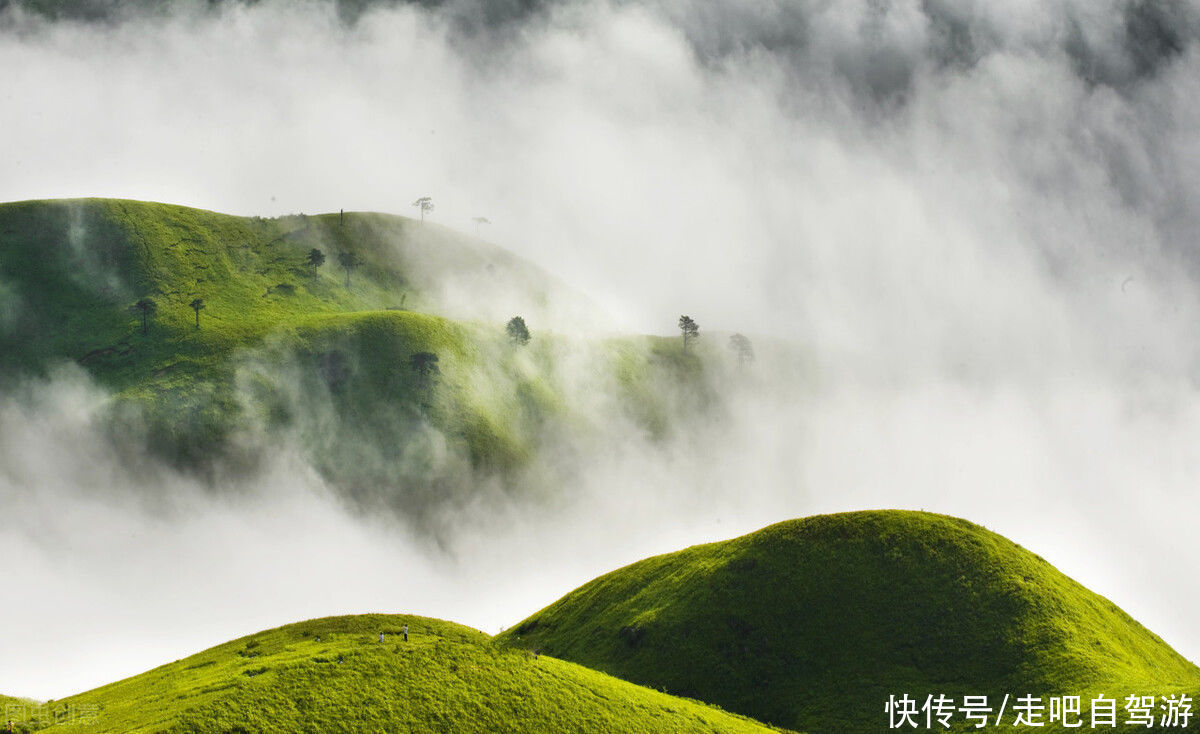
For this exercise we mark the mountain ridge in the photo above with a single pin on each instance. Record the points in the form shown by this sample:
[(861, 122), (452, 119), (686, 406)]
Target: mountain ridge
[(218, 335)]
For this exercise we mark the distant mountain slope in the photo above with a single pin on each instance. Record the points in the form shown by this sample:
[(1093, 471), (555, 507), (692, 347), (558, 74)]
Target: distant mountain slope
[(388, 365), (813, 623), (71, 272), (333, 675)]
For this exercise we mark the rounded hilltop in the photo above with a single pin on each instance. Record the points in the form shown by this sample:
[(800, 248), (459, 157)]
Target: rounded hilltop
[(812, 623)]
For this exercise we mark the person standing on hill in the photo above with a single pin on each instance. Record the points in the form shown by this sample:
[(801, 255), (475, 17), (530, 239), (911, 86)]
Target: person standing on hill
[(381, 638), (406, 633)]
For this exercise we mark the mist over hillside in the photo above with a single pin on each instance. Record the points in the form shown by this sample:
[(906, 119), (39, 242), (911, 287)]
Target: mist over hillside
[(978, 220), (225, 341)]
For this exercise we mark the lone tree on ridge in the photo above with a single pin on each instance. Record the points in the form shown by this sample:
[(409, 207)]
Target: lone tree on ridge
[(690, 330), (425, 204), (518, 331)]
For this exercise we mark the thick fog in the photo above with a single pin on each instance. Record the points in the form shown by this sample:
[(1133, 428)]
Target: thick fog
[(979, 219)]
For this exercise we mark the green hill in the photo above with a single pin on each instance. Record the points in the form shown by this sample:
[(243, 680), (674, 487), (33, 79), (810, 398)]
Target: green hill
[(71, 271), (333, 674), (323, 354), (813, 623), (809, 624)]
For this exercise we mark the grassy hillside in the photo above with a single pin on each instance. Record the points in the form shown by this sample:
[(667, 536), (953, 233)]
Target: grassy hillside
[(322, 354), (71, 272), (12, 708), (813, 623), (809, 625), (334, 675)]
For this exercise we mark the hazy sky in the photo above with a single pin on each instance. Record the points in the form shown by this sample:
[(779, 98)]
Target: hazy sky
[(980, 218)]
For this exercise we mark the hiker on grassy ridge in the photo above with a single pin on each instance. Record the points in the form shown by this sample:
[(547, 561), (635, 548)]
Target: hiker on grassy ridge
[(406, 633)]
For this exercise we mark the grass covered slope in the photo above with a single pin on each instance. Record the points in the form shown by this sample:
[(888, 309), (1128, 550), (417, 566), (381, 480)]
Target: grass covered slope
[(812, 623), (320, 355), (334, 675), (71, 272), (14, 708)]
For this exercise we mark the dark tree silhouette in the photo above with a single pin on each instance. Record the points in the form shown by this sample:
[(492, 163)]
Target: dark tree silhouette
[(690, 330), (742, 347), (478, 221), (424, 365), (316, 258), (349, 261), (517, 331), (425, 204), (197, 306), (147, 307)]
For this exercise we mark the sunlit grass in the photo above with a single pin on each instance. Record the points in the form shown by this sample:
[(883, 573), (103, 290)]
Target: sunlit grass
[(813, 623), (272, 323), (334, 675)]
